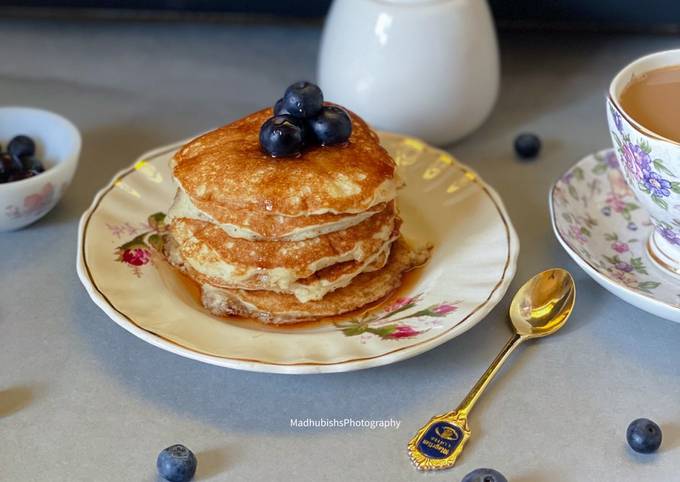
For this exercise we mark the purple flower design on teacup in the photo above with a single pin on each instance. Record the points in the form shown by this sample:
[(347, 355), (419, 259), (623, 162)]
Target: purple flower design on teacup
[(669, 235), (617, 119), (657, 185), (637, 161)]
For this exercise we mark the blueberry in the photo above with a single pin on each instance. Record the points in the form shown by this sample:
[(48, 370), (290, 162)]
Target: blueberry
[(281, 136), (303, 100), (30, 163), (176, 464), (279, 109), (10, 164), (527, 146), (484, 475), (21, 146), (331, 126), (20, 175), (643, 436)]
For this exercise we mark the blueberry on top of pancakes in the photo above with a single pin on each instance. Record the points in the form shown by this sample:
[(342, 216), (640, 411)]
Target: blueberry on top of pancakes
[(281, 136), (303, 100), (320, 124), (279, 108), (331, 126)]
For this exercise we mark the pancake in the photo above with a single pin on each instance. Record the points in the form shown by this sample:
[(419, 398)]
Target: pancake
[(277, 265), (227, 168), (242, 223), (307, 289), (271, 307)]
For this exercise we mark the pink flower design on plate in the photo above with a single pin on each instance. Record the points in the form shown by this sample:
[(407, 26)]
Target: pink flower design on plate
[(136, 256), (444, 309), (399, 303), (620, 247), (402, 331)]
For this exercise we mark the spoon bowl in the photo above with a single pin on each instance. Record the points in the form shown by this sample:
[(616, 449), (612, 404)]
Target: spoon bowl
[(543, 304)]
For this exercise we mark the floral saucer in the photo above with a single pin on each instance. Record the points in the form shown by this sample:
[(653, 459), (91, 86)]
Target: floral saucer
[(444, 202), (599, 222)]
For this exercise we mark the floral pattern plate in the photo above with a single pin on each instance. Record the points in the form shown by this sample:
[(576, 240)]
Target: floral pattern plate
[(444, 202), (598, 220)]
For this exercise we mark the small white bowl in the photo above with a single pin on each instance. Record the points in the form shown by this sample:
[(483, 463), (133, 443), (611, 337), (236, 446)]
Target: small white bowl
[(58, 144)]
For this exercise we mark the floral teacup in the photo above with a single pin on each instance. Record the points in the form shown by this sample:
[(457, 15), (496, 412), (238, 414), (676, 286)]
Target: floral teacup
[(650, 164)]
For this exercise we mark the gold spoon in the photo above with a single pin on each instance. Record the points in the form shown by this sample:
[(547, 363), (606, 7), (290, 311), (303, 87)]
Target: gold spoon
[(540, 308)]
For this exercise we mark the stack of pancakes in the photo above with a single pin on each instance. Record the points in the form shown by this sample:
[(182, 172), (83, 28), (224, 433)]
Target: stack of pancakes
[(287, 239)]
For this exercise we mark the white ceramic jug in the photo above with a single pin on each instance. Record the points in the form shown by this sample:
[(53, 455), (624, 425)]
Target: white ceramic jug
[(427, 68)]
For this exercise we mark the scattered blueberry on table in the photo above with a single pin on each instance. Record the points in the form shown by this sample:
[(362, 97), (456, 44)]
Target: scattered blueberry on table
[(484, 475), (302, 120), (527, 146), (644, 436), (176, 464), (19, 161)]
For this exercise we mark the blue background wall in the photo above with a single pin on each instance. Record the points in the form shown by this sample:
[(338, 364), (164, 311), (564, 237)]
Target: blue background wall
[(591, 14)]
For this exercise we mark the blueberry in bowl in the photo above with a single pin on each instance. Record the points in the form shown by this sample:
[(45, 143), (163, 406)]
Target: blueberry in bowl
[(19, 162), (39, 153), (21, 146)]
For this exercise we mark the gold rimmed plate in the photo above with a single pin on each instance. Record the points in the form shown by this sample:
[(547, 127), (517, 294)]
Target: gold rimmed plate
[(443, 202)]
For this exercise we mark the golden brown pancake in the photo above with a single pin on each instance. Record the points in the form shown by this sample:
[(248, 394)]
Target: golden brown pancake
[(227, 168), (312, 288), (271, 307), (255, 225), (277, 265)]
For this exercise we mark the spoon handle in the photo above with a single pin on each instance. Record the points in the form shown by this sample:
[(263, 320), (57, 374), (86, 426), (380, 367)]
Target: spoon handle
[(438, 444), (473, 395)]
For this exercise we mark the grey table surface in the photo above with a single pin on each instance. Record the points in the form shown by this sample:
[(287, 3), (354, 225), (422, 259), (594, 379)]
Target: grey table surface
[(81, 399)]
